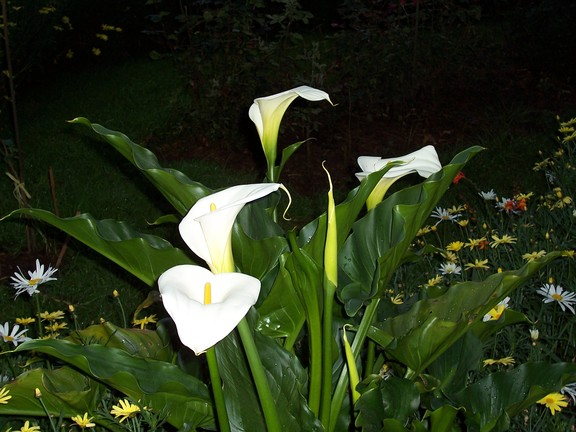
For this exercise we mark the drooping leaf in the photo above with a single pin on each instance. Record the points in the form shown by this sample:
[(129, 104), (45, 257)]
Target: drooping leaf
[(136, 342), (64, 390), (431, 326), (504, 394), (161, 385), (178, 189), (145, 256)]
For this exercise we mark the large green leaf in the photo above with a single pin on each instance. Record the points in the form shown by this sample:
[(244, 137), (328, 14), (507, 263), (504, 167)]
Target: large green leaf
[(140, 343), (454, 365), (491, 400), (178, 189), (65, 392), (394, 398), (281, 314), (286, 377), (380, 240), (161, 385), (431, 326), (145, 256)]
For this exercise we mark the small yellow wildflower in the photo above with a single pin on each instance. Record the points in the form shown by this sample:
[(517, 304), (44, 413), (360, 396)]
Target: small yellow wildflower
[(25, 321), (424, 230), (450, 256), (505, 361), (435, 280), (102, 36), (477, 264), (505, 239), (83, 422), (456, 209), (475, 243), (569, 253), (96, 51), (554, 402), (125, 410), (115, 294), (397, 299), (28, 428), (69, 54), (463, 223), (4, 395), (496, 312), (523, 196), (52, 316), (56, 326), (533, 255), (145, 321), (455, 246)]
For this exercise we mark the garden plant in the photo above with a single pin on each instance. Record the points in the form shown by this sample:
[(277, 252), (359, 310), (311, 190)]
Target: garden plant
[(386, 312)]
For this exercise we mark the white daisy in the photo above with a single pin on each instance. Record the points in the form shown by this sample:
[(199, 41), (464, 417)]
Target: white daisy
[(15, 336), (444, 215), (488, 196), (30, 285), (556, 293), (450, 268), (570, 390)]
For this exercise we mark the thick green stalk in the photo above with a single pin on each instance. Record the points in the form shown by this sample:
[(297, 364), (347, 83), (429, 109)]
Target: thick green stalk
[(221, 412), (327, 336), (342, 384), (258, 374)]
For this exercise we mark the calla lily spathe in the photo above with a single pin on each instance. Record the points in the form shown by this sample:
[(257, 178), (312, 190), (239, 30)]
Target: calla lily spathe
[(267, 112), (424, 161), (207, 228), (200, 326)]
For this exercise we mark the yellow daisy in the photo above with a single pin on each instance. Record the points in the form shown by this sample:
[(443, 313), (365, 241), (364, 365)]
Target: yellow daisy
[(533, 255), (125, 410), (554, 402), (83, 422), (145, 321), (505, 361), (4, 395)]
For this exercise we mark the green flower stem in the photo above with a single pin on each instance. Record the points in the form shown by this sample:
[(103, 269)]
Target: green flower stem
[(342, 384), (370, 355), (37, 301), (221, 412), (259, 375), (52, 425), (327, 337), (316, 365), (125, 325)]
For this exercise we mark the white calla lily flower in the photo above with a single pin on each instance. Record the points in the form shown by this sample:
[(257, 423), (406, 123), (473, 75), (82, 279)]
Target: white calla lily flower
[(206, 307), (267, 112), (207, 228), (425, 162)]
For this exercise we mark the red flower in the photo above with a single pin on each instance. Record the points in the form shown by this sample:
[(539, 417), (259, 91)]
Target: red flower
[(458, 177)]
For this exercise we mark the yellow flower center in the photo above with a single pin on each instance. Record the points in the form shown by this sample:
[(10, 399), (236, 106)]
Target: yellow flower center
[(557, 297), (33, 281), (212, 207), (207, 293), (8, 338)]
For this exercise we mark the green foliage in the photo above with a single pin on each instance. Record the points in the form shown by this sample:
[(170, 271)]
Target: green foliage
[(421, 364)]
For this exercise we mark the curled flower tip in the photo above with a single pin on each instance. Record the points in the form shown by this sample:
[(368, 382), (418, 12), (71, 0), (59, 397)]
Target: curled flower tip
[(289, 202)]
